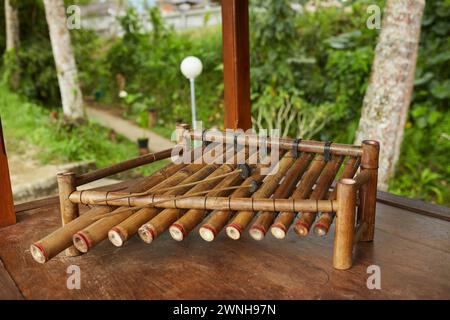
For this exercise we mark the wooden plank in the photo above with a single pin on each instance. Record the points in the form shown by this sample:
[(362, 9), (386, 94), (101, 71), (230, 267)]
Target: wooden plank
[(414, 206), (236, 64), (7, 214), (8, 289), (411, 250)]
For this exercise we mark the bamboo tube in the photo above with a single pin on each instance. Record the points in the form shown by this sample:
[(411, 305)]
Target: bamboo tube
[(282, 143), (304, 189), (120, 233), (69, 211), (90, 236), (152, 229), (326, 218), (218, 219), (61, 239), (345, 224), (243, 218), (360, 229), (368, 193), (306, 219), (265, 219), (122, 166), (183, 226)]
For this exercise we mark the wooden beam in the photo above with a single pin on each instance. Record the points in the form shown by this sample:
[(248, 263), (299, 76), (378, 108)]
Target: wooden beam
[(7, 213), (236, 64)]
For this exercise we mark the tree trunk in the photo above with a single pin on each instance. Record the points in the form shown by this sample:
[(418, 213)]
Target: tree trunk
[(71, 96), (12, 43), (12, 26), (388, 96)]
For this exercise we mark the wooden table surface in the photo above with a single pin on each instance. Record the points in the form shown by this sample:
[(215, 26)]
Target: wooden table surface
[(412, 250)]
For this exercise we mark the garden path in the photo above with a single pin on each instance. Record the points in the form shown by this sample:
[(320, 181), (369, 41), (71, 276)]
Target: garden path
[(128, 129)]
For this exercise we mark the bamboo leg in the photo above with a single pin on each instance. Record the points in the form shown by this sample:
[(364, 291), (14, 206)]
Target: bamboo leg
[(368, 192), (69, 210), (345, 224)]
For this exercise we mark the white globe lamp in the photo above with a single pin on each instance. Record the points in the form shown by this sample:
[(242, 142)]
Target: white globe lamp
[(191, 67)]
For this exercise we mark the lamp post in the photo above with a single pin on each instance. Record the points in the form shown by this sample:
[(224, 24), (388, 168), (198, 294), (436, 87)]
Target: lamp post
[(191, 67)]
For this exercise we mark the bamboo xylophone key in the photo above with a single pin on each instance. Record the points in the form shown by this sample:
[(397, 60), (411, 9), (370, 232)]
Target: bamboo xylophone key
[(325, 220), (243, 218), (265, 219), (304, 189), (304, 223)]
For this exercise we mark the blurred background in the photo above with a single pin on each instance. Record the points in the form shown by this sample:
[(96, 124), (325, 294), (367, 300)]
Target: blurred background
[(310, 67)]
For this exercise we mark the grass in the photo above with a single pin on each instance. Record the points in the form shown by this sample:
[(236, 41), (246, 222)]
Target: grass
[(28, 123)]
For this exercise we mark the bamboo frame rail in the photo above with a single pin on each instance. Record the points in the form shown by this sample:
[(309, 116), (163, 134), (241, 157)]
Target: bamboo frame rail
[(213, 203), (180, 196), (281, 143)]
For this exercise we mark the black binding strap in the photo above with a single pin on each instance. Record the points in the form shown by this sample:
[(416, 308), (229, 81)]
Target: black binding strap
[(295, 152), (327, 151), (205, 143)]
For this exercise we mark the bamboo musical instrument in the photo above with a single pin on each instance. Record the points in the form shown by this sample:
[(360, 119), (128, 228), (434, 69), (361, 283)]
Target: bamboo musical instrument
[(264, 220), (304, 189), (179, 197)]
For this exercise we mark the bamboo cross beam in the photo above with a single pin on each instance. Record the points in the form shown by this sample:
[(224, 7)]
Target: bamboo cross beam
[(282, 143), (230, 203)]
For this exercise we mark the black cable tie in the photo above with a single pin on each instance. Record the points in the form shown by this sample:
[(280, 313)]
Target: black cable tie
[(295, 144), (327, 151)]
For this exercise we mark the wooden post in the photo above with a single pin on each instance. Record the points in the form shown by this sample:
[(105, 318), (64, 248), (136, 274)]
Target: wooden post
[(69, 210), (345, 224), (7, 213), (236, 64), (368, 191)]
